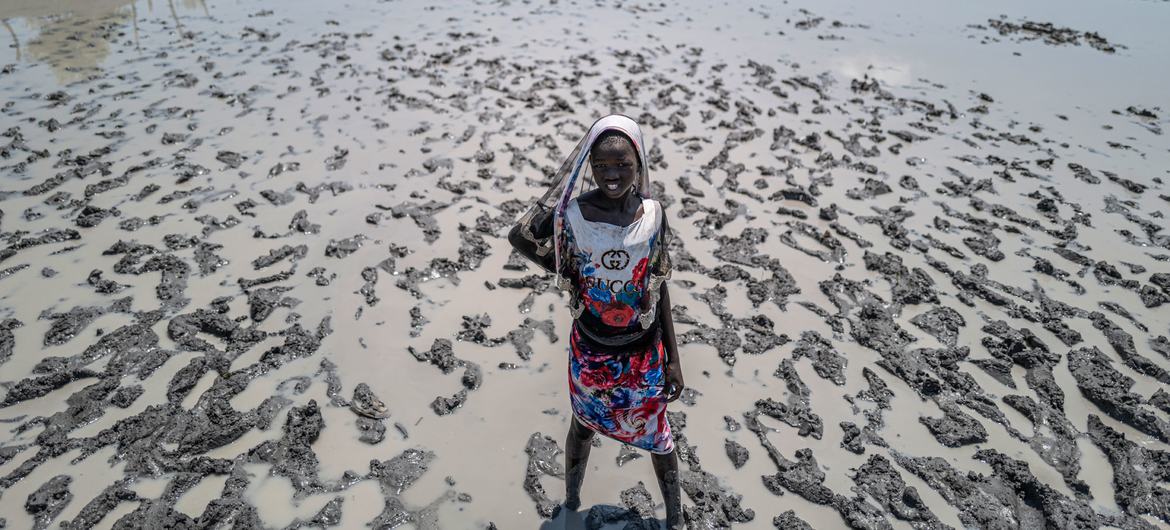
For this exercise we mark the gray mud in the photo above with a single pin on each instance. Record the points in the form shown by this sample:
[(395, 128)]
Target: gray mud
[(254, 270)]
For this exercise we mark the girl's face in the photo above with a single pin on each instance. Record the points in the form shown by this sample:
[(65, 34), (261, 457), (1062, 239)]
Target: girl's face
[(615, 167)]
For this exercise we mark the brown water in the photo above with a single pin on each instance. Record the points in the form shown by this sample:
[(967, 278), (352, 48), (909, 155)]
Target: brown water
[(398, 84)]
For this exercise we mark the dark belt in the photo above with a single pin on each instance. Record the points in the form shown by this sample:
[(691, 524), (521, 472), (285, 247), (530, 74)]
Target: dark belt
[(634, 341)]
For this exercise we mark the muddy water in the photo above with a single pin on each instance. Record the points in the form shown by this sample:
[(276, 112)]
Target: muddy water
[(390, 138)]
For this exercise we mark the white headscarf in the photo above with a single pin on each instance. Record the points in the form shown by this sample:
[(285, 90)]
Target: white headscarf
[(575, 165)]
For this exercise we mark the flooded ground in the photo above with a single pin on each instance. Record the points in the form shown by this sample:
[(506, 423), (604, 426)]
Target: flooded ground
[(254, 268)]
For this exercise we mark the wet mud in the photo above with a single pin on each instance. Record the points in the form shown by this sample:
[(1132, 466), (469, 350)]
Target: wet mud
[(254, 269)]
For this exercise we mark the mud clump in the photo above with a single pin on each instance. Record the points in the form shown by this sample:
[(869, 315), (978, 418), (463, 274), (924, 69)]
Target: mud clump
[(370, 430), (790, 521), (441, 355), (882, 481), (1027, 30), (292, 456), (737, 453), (955, 429), (1137, 472), (1110, 390), (396, 475), (47, 501), (714, 506), (826, 361), (446, 405), (943, 323), (542, 453)]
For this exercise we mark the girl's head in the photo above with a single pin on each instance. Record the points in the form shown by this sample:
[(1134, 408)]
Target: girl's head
[(614, 162)]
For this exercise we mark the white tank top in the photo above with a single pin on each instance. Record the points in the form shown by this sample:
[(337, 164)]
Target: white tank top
[(612, 264)]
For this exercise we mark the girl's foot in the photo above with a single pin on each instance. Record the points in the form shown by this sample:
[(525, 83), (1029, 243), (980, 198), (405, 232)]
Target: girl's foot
[(572, 503)]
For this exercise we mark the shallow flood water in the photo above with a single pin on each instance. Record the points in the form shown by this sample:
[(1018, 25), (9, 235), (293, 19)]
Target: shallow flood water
[(921, 275)]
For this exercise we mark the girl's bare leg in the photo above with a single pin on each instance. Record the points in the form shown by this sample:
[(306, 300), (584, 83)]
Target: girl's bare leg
[(666, 469), (577, 446)]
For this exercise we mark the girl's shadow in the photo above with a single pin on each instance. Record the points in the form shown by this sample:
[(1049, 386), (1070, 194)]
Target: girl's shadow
[(598, 517)]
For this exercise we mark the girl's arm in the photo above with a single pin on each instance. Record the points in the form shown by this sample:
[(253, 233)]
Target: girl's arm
[(674, 377), (542, 226)]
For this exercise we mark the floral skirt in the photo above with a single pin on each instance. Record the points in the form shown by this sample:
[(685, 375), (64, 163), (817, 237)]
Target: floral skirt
[(621, 396)]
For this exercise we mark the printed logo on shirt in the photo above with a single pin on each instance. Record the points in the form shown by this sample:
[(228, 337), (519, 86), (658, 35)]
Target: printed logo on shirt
[(616, 259), (613, 286)]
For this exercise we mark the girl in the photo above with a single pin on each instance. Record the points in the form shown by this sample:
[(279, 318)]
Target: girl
[(607, 247)]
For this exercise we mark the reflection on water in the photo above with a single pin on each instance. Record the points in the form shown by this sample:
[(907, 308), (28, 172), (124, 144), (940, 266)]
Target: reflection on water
[(76, 36)]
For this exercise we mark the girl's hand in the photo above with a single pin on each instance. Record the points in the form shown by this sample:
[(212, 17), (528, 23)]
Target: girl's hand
[(674, 383)]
